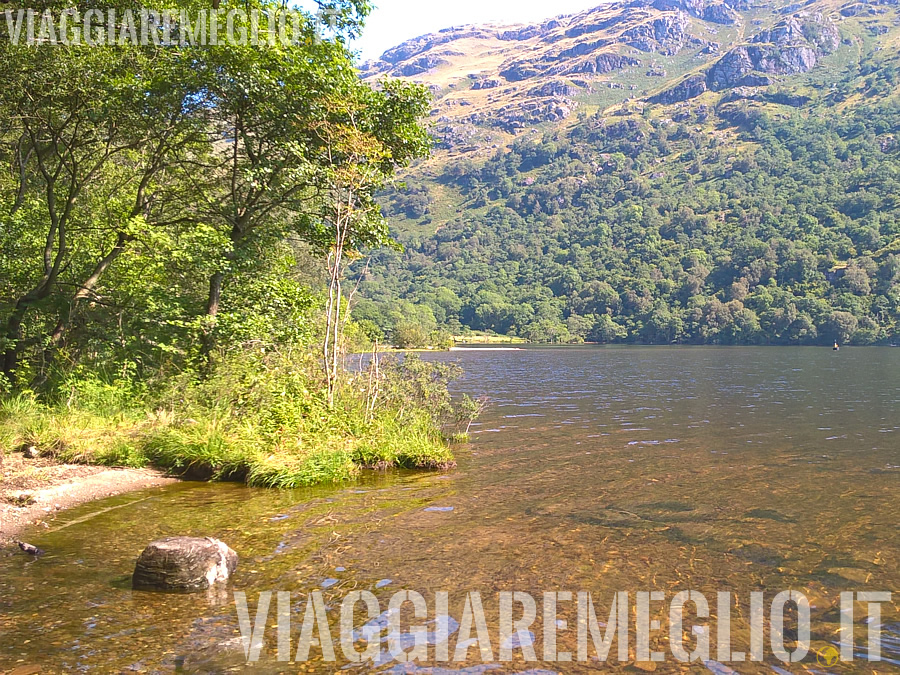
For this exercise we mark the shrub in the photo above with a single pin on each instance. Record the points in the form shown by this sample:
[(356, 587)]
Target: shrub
[(260, 416)]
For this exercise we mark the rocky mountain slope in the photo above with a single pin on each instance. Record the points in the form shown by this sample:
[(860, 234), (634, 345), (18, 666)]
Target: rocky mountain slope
[(494, 82)]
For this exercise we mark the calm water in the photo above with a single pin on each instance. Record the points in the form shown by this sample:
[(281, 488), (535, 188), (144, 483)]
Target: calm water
[(594, 469)]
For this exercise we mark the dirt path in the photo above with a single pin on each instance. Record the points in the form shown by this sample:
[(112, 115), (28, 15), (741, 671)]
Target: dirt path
[(33, 491)]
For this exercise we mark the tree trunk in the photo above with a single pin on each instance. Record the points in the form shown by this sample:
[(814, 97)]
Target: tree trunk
[(84, 291), (14, 326), (14, 335), (208, 341), (215, 294), (216, 281)]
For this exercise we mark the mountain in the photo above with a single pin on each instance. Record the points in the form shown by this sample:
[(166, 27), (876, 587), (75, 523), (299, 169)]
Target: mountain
[(654, 171)]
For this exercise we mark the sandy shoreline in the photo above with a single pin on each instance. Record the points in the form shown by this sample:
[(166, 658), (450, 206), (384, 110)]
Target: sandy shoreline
[(33, 491)]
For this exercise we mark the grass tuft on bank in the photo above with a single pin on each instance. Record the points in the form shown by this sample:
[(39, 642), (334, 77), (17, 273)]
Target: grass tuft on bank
[(259, 417)]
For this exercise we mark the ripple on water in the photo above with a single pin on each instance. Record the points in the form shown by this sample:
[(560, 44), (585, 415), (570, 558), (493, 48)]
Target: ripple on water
[(753, 513)]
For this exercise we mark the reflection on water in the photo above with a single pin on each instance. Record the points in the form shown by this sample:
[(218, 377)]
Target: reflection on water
[(594, 469)]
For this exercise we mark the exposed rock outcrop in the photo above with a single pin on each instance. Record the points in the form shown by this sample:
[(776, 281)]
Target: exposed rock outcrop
[(529, 32), (857, 9), (753, 94), (714, 12), (544, 67), (692, 7), (512, 118), (419, 66), (805, 29), (579, 49), (666, 35), (518, 34), (603, 63), (518, 71), (554, 88), (688, 88), (582, 29), (721, 13), (489, 83), (411, 48), (792, 46), (750, 66)]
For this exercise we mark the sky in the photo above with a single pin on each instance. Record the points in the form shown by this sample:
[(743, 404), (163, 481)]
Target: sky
[(394, 21)]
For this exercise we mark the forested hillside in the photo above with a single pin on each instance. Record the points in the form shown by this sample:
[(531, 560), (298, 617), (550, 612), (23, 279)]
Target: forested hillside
[(762, 215)]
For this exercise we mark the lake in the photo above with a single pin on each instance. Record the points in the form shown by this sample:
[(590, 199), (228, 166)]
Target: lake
[(593, 469)]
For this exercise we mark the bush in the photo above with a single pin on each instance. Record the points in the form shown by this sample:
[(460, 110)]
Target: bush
[(261, 417)]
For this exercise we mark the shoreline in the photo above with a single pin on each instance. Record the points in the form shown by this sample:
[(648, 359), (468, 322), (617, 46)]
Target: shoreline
[(34, 491)]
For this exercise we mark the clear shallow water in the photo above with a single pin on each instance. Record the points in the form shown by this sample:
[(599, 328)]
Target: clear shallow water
[(619, 469)]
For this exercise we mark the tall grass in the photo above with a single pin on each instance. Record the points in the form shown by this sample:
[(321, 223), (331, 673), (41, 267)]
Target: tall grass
[(259, 417)]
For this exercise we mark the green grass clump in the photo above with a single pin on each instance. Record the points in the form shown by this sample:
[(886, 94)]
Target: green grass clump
[(261, 418), (321, 465)]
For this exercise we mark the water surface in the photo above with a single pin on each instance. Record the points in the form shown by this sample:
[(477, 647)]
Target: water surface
[(600, 469)]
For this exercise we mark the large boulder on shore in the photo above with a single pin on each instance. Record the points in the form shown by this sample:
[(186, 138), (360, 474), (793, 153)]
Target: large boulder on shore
[(183, 564)]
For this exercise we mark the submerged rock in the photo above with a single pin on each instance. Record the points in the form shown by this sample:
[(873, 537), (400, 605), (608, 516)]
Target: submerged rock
[(719, 668), (519, 639), (183, 564)]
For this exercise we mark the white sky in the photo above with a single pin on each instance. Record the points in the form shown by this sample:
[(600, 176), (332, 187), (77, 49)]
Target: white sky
[(394, 21)]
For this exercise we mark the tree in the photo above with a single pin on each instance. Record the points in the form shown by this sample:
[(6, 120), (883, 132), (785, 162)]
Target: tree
[(216, 156), (857, 279), (91, 135), (408, 336), (301, 132), (606, 330), (842, 325)]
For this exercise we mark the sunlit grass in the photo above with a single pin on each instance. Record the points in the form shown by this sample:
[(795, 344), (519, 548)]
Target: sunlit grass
[(264, 421)]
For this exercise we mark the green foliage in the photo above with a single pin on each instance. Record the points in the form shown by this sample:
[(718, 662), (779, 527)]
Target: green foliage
[(729, 226), (414, 386), (260, 417), (152, 199), (165, 214), (408, 335)]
